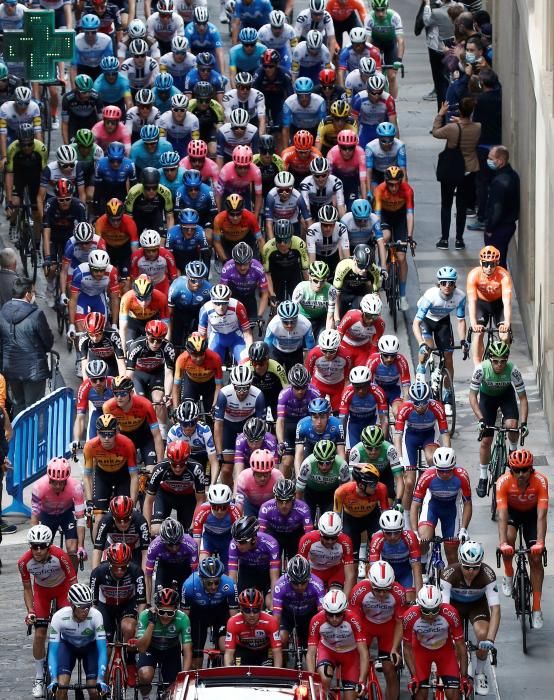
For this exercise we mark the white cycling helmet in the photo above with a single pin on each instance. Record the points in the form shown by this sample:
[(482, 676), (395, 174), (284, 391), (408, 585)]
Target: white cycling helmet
[(220, 293), (376, 83), (391, 521), (329, 340), (277, 18), (98, 259), (470, 553), (444, 458), (180, 43), (66, 155), (219, 495), (360, 375), (150, 239), (381, 574), (314, 40), (239, 117), (241, 375), (201, 14), (284, 179), (80, 594), (334, 601), (22, 95), (429, 598), (371, 304), (40, 534), (136, 29), (358, 35), (330, 524), (179, 101), (367, 65), (388, 344)]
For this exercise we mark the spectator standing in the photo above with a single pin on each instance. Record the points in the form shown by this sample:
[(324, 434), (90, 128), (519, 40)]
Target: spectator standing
[(8, 275), (439, 30), (5, 437), (503, 202)]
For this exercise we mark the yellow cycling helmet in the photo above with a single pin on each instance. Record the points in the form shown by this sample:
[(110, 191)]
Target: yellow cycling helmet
[(234, 203), (394, 174), (114, 208), (365, 474), (340, 109), (143, 287)]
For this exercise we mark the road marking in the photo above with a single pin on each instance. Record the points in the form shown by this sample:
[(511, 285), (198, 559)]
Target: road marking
[(495, 683)]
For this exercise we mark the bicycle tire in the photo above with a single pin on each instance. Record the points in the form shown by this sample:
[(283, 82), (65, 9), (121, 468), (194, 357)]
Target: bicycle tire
[(2, 177), (498, 468), (374, 689), (79, 694), (393, 300), (117, 685), (450, 419), (524, 601), (23, 243)]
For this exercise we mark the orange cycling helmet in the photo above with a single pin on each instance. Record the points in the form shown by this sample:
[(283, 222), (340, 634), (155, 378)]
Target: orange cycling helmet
[(114, 208), (119, 554), (394, 174), (178, 452), (303, 140), (251, 598), (489, 254), (327, 76), (520, 459), (155, 328), (95, 322)]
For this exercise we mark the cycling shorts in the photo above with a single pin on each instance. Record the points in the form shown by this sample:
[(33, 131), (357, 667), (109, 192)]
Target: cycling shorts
[(146, 383), (217, 547), (489, 405), (68, 655), (120, 257), (414, 439), (403, 574), (201, 618), (231, 430), (355, 527), (349, 662), (91, 425), (165, 502), (527, 520), (354, 428), (144, 441), (290, 435), (166, 573), (388, 49), (396, 222), (393, 392), (301, 623), (113, 613), (367, 133), (334, 576), (87, 304), (383, 633), (287, 541), (474, 611), (220, 343), (42, 597), (253, 577), (433, 510), (490, 309), (287, 359), (107, 485), (439, 331), (318, 502), (359, 354), (251, 657), (64, 521), (445, 659), (169, 661)]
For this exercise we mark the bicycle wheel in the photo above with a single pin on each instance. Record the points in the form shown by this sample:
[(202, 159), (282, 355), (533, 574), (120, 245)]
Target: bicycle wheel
[(117, 692), (446, 379), (23, 242), (392, 295), (524, 605), (497, 467)]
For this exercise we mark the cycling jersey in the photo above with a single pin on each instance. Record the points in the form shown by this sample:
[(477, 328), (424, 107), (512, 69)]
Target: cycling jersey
[(23, 164), (286, 600), (227, 140), (305, 21), (84, 283), (56, 570), (390, 377), (291, 208), (112, 182), (404, 552), (498, 285), (186, 555), (486, 381), (215, 79), (313, 304), (185, 249), (407, 417), (214, 532), (103, 138), (281, 42), (304, 117), (201, 441), (131, 309), (245, 62), (230, 408), (250, 493), (161, 271), (243, 452), (203, 202), (194, 595), (349, 58), (254, 638), (275, 90), (209, 170), (254, 104), (107, 348), (89, 393), (289, 264), (52, 173), (233, 320), (207, 40), (326, 246), (380, 610), (387, 458), (349, 500), (273, 521), (264, 556), (243, 285), (307, 435), (75, 253), (328, 374), (143, 158), (383, 30), (166, 637), (316, 195), (342, 638), (112, 591), (362, 408), (435, 305), (80, 111), (445, 491), (341, 10), (322, 558), (292, 408), (307, 63), (136, 534), (191, 481), (433, 634), (377, 159), (369, 113), (347, 279), (142, 77), (164, 32), (362, 234), (354, 331), (351, 169), (455, 589), (143, 359), (289, 339), (178, 67), (299, 165), (387, 201), (311, 477), (122, 456), (45, 500), (254, 14), (210, 368), (117, 237), (11, 118), (116, 91), (134, 120), (179, 134), (232, 231), (139, 415), (510, 496)]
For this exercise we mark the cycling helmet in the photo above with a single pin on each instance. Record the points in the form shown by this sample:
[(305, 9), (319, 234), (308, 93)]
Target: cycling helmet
[(277, 18), (391, 521), (251, 599), (329, 340), (248, 35), (266, 144), (83, 82), (347, 138), (361, 209), (358, 35), (298, 376), (136, 29), (284, 179), (165, 7), (197, 149), (303, 86), (254, 429), (242, 253), (111, 112), (245, 528), (419, 392), (372, 436), (66, 155), (169, 159), (314, 40), (22, 95), (394, 174), (150, 176), (171, 531), (367, 65), (520, 459), (150, 133), (327, 77), (119, 554), (84, 138), (234, 203), (156, 328), (444, 458), (242, 155), (59, 469), (340, 109), (284, 490), (178, 452), (179, 44), (64, 188), (205, 60), (80, 595), (429, 599), (163, 82), (84, 232), (489, 254), (386, 130), (26, 133), (138, 47), (381, 574), (239, 118), (187, 411), (211, 567), (298, 569), (362, 256), (97, 369), (303, 140), (270, 57), (319, 406), (388, 345), (201, 15), (196, 269), (470, 553), (3, 71), (379, 4), (244, 78), (258, 351), (330, 524), (150, 239), (334, 602), (282, 230), (317, 6), (371, 304), (98, 260), (219, 495), (192, 178), (121, 507), (166, 597), (319, 270), (360, 375), (106, 422), (376, 83), (325, 451), (144, 97), (143, 287), (40, 534), (241, 376), (114, 208), (115, 151), (179, 101), (328, 214), (447, 273), (90, 23), (499, 350), (365, 474), (319, 166), (220, 293), (123, 383), (288, 310)]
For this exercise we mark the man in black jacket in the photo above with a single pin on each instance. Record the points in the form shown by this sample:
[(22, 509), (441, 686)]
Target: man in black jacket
[(8, 265), (503, 202), (25, 339)]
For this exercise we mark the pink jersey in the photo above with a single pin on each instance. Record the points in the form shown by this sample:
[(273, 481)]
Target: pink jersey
[(103, 139), (50, 573), (209, 170), (432, 633), (248, 489), (348, 168), (326, 371), (46, 500), (355, 333), (230, 181)]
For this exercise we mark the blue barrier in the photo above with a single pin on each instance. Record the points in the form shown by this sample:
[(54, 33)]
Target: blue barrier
[(40, 432)]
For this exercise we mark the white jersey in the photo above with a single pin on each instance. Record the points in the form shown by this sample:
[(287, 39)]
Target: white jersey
[(11, 118), (287, 340), (140, 77), (173, 131), (323, 246), (64, 626), (178, 69), (11, 21), (435, 305), (304, 23), (134, 122), (281, 42), (254, 105), (302, 59), (316, 196), (164, 31)]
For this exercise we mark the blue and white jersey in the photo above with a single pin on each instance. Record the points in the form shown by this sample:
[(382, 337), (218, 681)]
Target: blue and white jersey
[(306, 434), (164, 31), (90, 55), (181, 297), (64, 626), (193, 593), (362, 234), (378, 159), (307, 64), (435, 305), (304, 117), (201, 441), (178, 69), (289, 340), (229, 407), (282, 43)]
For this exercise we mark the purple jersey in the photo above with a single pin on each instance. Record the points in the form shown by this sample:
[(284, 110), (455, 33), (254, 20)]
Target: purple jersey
[(243, 452), (243, 285), (265, 554), (292, 408), (287, 600), (186, 554), (272, 520)]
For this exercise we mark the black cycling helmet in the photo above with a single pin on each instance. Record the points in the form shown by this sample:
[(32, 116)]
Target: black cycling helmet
[(150, 176), (362, 256), (202, 90), (258, 351), (254, 429), (284, 490), (298, 569), (266, 144), (26, 133), (298, 376), (242, 253), (166, 596), (245, 529), (282, 230)]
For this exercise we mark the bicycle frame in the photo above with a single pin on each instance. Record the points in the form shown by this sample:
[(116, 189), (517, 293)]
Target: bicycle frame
[(117, 668), (498, 460), (436, 562)]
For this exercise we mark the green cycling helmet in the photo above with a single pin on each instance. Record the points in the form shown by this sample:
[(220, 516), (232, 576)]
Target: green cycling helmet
[(3, 71), (499, 350), (84, 138), (319, 270), (325, 450), (83, 83), (372, 436), (380, 4)]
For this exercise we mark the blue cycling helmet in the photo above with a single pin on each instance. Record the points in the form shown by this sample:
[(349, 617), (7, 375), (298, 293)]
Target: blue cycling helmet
[(90, 23), (303, 86), (386, 130), (361, 209), (248, 35), (447, 274), (196, 270), (163, 81), (419, 392), (109, 64), (149, 133), (192, 178), (288, 310), (188, 217), (205, 59), (211, 567), (169, 159), (115, 151), (319, 406)]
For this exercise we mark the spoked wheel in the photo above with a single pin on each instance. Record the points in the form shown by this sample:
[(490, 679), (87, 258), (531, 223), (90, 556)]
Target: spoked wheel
[(522, 601), (447, 388), (117, 685)]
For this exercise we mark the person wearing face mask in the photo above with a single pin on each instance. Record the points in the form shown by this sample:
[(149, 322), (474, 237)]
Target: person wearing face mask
[(25, 339), (503, 202)]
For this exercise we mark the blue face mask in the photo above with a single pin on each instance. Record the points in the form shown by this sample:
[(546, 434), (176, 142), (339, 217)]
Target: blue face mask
[(470, 57), (491, 164)]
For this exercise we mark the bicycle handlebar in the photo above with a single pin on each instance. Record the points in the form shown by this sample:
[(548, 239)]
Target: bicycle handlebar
[(398, 66), (500, 429)]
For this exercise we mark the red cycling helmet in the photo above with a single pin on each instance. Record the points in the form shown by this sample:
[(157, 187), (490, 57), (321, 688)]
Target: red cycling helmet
[(197, 149), (251, 598), (155, 328), (119, 554), (303, 140), (327, 76), (347, 138), (121, 507), (178, 452), (58, 469), (262, 461), (95, 322), (520, 459), (242, 155), (111, 112), (64, 188), (270, 57)]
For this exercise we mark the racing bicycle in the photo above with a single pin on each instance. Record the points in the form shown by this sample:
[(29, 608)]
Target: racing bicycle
[(442, 384), (471, 648), (498, 461), (45, 102), (25, 237), (392, 285), (492, 334), (436, 562)]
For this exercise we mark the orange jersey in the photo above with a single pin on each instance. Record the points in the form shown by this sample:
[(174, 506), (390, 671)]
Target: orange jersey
[(210, 369), (131, 309), (509, 495), (385, 200), (479, 286), (357, 505), (235, 231), (123, 455), (340, 10), (295, 163), (117, 237), (140, 415)]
